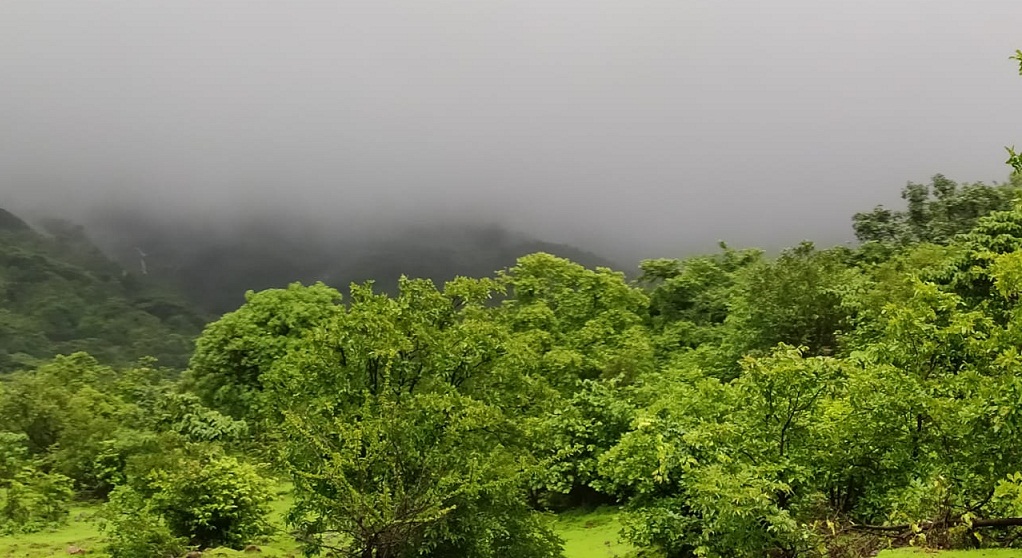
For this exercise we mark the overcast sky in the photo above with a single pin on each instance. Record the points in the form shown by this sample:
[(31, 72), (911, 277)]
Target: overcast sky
[(660, 126)]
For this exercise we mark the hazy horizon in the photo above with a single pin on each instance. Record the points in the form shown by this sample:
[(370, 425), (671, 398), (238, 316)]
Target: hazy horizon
[(648, 128)]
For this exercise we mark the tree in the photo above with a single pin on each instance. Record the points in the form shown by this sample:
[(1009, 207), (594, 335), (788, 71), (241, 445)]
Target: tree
[(409, 477), (796, 299), (394, 431), (573, 437), (726, 469), (580, 336), (690, 299), (578, 324), (234, 352), (935, 212), (30, 498), (1015, 158)]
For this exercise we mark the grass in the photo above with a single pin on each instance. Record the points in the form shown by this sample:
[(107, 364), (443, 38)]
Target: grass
[(918, 553), (592, 534), (82, 531), (586, 534)]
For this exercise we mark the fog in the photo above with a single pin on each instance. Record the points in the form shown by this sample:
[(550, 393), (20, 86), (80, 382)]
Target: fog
[(641, 128)]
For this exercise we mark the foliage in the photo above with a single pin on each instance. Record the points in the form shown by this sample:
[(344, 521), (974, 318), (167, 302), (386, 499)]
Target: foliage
[(60, 295), (234, 351), (184, 414), (578, 324), (1015, 158), (409, 479), (85, 420), (574, 437), (389, 438), (796, 299), (202, 497), (33, 500), (719, 469), (690, 299), (135, 531), (936, 212), (735, 404), (30, 499)]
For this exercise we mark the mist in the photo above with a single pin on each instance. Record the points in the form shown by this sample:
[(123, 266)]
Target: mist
[(639, 128)]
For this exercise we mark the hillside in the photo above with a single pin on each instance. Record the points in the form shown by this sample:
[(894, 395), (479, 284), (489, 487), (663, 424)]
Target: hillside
[(216, 264), (60, 294)]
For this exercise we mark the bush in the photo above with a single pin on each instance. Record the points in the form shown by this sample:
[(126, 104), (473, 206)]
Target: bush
[(30, 500), (209, 501), (134, 531), (33, 501)]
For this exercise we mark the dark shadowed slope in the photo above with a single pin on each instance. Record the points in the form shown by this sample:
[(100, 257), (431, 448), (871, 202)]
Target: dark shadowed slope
[(215, 264), (11, 222)]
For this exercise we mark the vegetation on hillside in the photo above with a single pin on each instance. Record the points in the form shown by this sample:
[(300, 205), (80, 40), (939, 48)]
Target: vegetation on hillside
[(59, 294)]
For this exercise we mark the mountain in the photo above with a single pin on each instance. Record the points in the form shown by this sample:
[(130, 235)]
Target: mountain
[(12, 223), (60, 294), (214, 264), (133, 287)]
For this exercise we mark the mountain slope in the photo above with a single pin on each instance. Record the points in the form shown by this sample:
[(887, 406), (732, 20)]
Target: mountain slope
[(215, 266), (59, 294)]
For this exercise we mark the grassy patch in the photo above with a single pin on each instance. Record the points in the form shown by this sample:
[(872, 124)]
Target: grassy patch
[(919, 553), (592, 534), (588, 534), (82, 531)]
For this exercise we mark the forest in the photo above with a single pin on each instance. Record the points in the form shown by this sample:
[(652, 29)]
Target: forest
[(816, 402)]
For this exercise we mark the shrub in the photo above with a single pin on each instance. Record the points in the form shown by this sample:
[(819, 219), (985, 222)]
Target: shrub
[(135, 531), (212, 500), (33, 501)]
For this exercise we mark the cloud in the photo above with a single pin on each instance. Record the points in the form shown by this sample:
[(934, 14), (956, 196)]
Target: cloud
[(655, 127)]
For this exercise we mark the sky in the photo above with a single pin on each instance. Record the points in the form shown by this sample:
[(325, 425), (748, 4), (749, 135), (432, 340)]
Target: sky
[(640, 126)]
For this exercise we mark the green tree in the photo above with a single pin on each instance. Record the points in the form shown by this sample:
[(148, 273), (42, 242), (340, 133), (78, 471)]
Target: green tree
[(690, 299), (30, 498), (579, 324), (581, 336), (426, 474), (74, 419), (797, 299), (935, 212), (394, 431), (715, 469), (1015, 158), (134, 531), (235, 351)]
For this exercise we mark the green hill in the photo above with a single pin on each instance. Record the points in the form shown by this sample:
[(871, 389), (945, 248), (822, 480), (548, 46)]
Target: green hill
[(59, 294)]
